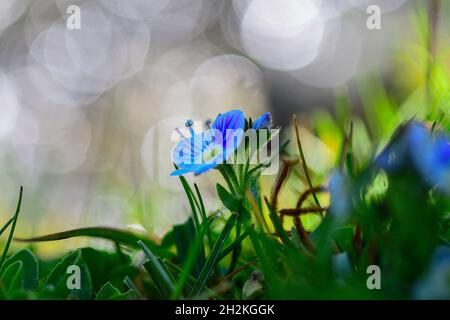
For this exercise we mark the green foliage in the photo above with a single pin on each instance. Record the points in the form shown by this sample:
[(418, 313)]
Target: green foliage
[(110, 292)]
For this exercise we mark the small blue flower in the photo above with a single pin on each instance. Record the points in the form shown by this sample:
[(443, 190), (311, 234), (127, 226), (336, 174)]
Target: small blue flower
[(204, 151), (262, 122)]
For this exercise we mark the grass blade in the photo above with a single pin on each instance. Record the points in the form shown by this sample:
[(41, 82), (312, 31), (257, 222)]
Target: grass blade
[(192, 201), (302, 156), (192, 257), (277, 225), (213, 257), (231, 247), (13, 227), (157, 272), (203, 213), (200, 200), (6, 225), (130, 284), (116, 235)]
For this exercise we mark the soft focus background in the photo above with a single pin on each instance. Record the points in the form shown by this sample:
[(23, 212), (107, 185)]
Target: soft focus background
[(87, 116)]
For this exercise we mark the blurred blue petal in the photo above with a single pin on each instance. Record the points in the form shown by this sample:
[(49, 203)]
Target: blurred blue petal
[(231, 120), (340, 196), (431, 156), (435, 284), (416, 148), (262, 122)]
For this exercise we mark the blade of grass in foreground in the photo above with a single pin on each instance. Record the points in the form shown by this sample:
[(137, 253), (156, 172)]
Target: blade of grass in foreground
[(130, 284), (192, 201), (277, 225), (235, 243), (6, 225), (192, 257), (213, 257), (116, 235), (157, 272), (13, 227)]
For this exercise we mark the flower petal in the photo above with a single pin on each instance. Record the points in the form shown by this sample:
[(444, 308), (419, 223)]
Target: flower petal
[(262, 122), (234, 120)]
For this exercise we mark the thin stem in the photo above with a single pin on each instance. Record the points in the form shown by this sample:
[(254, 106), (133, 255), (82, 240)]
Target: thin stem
[(302, 156), (13, 227)]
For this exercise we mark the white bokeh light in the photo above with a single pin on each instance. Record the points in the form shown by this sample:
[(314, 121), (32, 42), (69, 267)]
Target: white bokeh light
[(233, 80), (283, 35), (338, 59), (10, 107), (10, 11), (93, 59), (55, 142)]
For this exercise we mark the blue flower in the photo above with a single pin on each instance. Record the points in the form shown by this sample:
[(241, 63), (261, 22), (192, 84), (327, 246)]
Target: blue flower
[(432, 158), (435, 283), (262, 122), (429, 154), (340, 196), (204, 151)]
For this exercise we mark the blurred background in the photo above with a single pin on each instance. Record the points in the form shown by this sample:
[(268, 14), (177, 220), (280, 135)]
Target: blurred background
[(87, 116)]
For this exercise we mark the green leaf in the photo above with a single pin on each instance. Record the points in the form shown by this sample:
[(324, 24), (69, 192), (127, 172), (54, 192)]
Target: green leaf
[(116, 235), (101, 264), (110, 292), (233, 245), (158, 273), (12, 277), (118, 273), (213, 256), (267, 250), (178, 273), (227, 199), (30, 268), (184, 235), (56, 282), (195, 251)]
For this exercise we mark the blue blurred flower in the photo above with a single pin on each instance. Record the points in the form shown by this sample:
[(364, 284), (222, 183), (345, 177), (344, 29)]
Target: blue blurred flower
[(435, 284), (204, 151), (429, 154), (262, 122), (340, 196), (432, 158)]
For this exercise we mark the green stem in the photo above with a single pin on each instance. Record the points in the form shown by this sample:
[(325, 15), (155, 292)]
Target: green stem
[(302, 156), (13, 227)]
